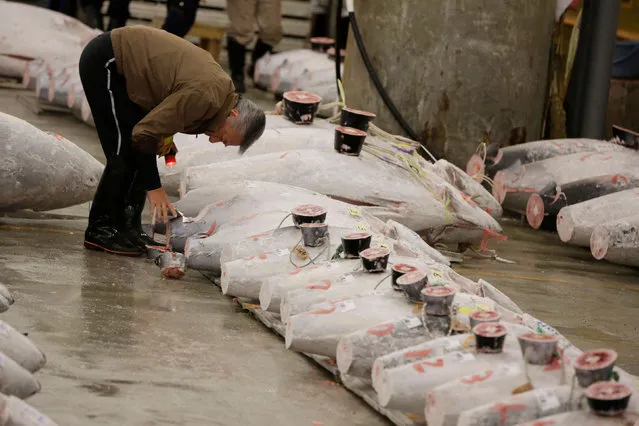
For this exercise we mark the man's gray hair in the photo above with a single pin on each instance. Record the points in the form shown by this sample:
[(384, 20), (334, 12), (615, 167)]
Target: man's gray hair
[(250, 122)]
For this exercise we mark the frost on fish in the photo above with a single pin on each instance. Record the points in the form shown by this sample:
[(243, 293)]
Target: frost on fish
[(617, 241), (514, 186), (491, 161), (575, 223), (432, 206), (42, 171)]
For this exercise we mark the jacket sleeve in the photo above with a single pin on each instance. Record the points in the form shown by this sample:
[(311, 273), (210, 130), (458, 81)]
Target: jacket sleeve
[(173, 115)]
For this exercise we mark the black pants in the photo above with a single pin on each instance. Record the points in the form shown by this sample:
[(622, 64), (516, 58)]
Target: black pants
[(128, 172), (180, 16)]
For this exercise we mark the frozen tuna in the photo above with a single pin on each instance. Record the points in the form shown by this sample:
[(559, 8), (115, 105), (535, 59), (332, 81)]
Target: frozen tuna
[(617, 241), (575, 223), (496, 159), (6, 299), (431, 205), (20, 348), (37, 32), (15, 380), (42, 171), (514, 186), (552, 198)]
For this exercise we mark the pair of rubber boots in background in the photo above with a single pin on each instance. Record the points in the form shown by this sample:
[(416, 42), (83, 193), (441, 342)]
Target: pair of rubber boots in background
[(115, 220), (237, 56)]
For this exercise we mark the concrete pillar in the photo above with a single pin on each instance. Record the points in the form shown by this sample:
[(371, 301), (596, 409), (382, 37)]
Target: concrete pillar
[(458, 70)]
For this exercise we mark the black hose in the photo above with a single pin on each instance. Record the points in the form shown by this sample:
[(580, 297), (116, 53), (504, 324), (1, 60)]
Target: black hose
[(338, 43), (378, 84)]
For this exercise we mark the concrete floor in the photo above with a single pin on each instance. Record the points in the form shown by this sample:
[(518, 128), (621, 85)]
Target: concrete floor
[(127, 347)]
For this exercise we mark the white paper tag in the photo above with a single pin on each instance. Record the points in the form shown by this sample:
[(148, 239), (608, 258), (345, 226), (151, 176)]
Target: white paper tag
[(345, 306), (453, 345), (508, 370), (463, 357), (547, 400), (283, 252), (412, 322), (347, 278)]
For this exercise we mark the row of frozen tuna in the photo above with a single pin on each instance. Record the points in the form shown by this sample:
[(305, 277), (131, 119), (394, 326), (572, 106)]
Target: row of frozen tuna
[(43, 47), (299, 69), (58, 81), (428, 364), (298, 164), (19, 360), (584, 187)]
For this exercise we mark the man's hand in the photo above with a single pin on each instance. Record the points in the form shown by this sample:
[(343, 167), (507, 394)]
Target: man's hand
[(160, 205)]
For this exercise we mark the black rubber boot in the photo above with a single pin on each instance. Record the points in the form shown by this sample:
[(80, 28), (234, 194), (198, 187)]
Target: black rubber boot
[(259, 50), (102, 234), (237, 57), (132, 220)]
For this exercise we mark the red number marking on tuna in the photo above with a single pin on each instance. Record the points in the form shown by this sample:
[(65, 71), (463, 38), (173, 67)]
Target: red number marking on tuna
[(246, 218), (322, 311), (219, 204), (381, 330), (585, 157), (417, 354), (619, 179), (503, 410), (319, 285), (283, 155), (419, 366), (211, 230), (258, 236), (478, 378), (264, 255)]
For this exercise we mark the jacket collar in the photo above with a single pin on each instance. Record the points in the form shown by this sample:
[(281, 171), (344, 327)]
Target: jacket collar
[(227, 106)]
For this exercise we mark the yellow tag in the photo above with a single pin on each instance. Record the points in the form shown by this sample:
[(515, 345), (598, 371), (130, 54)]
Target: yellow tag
[(483, 308), (469, 342), (465, 310), (437, 274), (362, 227), (383, 245), (354, 212)]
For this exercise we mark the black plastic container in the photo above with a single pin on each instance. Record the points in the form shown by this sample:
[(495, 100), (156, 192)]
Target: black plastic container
[(538, 348), (375, 259), (490, 337), (479, 317), (355, 243), (608, 398), (399, 269), (349, 140), (594, 366), (412, 284), (356, 119), (308, 213), (438, 300), (322, 44), (314, 234), (300, 107)]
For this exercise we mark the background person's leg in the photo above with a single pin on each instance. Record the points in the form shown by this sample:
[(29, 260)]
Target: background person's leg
[(118, 13), (180, 16), (269, 21), (239, 35)]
